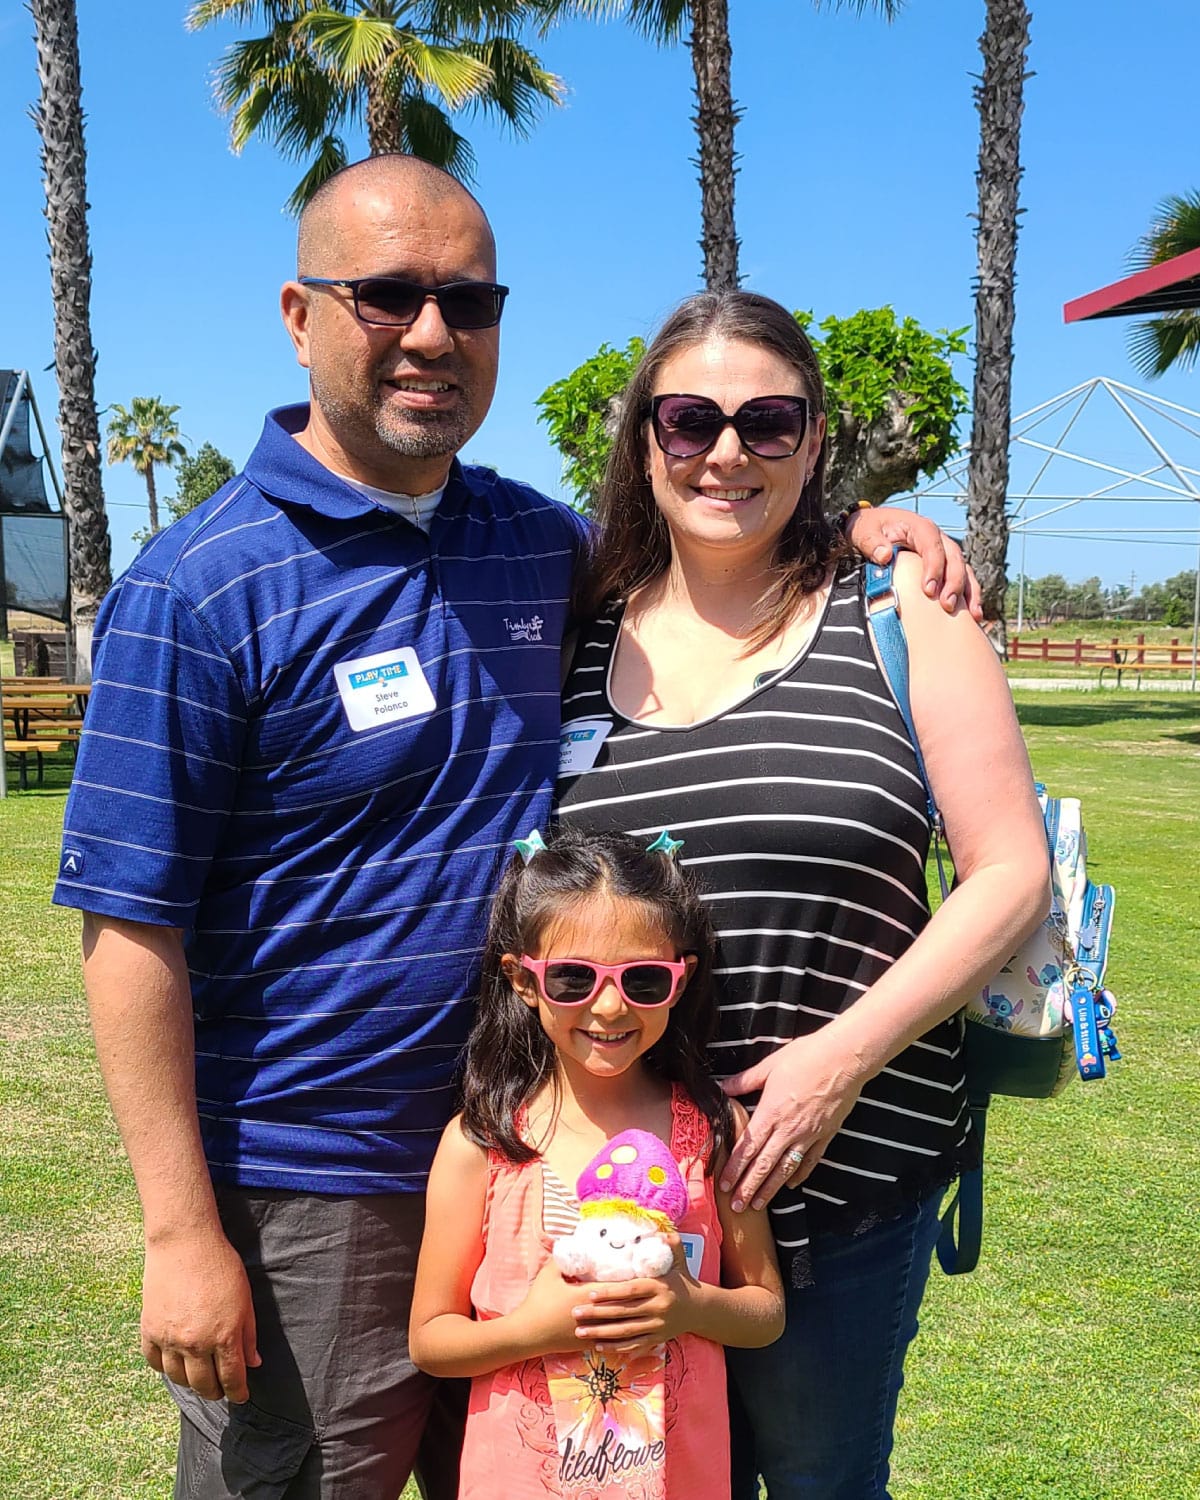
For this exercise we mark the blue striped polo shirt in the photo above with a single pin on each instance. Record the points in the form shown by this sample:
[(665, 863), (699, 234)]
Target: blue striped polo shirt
[(313, 734)]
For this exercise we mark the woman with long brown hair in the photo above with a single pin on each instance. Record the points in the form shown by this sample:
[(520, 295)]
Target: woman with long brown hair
[(725, 686)]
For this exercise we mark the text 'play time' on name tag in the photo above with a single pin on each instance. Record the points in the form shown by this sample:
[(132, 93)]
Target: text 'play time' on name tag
[(579, 744), (693, 1249), (383, 688)]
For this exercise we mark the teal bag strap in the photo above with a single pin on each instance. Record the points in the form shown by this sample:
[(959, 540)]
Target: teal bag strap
[(962, 1220), (884, 619)]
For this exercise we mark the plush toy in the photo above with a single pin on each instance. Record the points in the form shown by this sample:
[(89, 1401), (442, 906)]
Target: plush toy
[(631, 1196)]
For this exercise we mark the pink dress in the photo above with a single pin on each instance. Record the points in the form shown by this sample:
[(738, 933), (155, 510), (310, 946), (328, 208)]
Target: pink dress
[(514, 1446)]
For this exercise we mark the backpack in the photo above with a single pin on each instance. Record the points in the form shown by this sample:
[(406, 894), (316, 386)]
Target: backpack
[(1045, 1015)]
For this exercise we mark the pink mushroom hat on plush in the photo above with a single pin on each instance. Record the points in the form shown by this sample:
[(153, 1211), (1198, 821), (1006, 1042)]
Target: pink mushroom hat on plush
[(634, 1174)]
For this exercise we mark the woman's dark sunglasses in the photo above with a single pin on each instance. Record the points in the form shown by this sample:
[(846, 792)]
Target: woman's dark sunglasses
[(767, 426), (388, 302), (646, 982)]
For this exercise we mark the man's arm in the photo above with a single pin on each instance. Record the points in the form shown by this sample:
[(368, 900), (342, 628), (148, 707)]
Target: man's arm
[(876, 531), (197, 1317)]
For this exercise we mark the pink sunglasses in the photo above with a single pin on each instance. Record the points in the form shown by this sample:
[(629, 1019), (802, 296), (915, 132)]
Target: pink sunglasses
[(645, 982)]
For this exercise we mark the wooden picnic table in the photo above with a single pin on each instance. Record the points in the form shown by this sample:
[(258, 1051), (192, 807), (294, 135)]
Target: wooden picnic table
[(45, 713), (44, 705)]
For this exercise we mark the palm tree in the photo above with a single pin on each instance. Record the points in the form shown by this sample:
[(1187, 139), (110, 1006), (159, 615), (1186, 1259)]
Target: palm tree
[(402, 67), (59, 119), (707, 26), (1000, 97), (1173, 338), (146, 434)]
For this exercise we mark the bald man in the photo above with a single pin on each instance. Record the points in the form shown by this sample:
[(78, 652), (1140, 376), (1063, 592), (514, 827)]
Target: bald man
[(325, 704)]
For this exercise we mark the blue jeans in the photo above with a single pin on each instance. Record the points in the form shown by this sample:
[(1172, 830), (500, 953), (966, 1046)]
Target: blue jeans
[(813, 1413)]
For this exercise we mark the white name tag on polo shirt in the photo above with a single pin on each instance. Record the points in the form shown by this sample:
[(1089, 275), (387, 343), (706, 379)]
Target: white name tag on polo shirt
[(693, 1249), (579, 744), (380, 689)]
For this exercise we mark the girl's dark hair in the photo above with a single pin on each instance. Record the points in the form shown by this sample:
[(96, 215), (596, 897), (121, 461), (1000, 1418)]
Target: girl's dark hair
[(509, 1056), (631, 544)]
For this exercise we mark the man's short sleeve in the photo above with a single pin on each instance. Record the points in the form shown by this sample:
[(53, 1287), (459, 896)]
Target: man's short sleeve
[(158, 761)]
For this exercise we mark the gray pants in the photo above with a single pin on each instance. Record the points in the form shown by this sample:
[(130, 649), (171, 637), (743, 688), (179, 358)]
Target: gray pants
[(337, 1410)]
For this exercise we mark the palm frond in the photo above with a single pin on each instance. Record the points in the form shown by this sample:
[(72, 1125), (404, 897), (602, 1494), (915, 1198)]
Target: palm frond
[(552, 12), (145, 433), (310, 108), (206, 12), (324, 64), (246, 65), (519, 83), (447, 19), (1161, 344), (330, 158), (294, 105), (457, 74), (352, 47), (428, 133), (660, 21), (1174, 230), (888, 9)]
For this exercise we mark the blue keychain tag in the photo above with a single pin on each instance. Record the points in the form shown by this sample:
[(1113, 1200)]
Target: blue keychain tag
[(1089, 1053)]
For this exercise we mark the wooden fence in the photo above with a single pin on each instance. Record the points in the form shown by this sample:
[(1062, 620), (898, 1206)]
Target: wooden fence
[(1162, 655)]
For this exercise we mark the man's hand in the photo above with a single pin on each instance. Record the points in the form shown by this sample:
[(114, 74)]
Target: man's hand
[(197, 1316), (877, 532), (198, 1325)]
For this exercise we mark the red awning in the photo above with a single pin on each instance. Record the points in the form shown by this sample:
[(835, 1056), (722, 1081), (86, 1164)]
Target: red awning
[(1169, 287)]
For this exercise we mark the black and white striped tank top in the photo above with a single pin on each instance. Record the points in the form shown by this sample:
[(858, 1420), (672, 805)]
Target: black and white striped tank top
[(804, 820)]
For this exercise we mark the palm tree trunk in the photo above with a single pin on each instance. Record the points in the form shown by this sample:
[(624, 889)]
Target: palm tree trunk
[(715, 118), (152, 498), (385, 116), (1001, 103), (59, 119)]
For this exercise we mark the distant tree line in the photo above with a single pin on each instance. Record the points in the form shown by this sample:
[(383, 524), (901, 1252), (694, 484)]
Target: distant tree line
[(1052, 598)]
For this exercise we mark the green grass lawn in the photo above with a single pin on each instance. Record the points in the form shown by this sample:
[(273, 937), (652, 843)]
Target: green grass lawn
[(1067, 1366)]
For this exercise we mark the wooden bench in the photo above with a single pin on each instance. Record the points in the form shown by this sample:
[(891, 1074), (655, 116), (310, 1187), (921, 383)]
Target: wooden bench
[(41, 716), (1121, 667), (23, 749), (44, 704)]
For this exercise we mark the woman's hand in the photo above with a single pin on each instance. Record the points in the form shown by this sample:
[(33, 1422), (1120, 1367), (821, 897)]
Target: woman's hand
[(808, 1089), (875, 533)]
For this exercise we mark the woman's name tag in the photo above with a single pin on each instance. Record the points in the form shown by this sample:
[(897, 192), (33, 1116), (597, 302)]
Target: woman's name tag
[(579, 744)]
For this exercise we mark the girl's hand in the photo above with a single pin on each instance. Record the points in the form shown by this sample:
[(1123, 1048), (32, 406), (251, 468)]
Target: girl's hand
[(636, 1316), (633, 1317), (807, 1091), (547, 1316)]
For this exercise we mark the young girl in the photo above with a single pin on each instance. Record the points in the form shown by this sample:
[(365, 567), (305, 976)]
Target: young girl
[(594, 1014)]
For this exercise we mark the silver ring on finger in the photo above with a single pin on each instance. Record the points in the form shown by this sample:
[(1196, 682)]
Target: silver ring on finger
[(794, 1157)]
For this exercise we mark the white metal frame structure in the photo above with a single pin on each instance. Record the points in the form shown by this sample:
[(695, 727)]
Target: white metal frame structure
[(1166, 478)]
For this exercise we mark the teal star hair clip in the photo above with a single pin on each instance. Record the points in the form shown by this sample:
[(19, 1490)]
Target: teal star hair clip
[(527, 848), (665, 844)]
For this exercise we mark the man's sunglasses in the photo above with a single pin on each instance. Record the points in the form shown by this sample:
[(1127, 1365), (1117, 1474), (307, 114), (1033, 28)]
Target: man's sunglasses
[(767, 426), (389, 302), (646, 982)]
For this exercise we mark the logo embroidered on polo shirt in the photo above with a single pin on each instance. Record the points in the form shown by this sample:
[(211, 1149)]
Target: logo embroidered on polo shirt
[(524, 630)]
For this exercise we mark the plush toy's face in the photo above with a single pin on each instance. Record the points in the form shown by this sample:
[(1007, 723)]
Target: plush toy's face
[(614, 1247)]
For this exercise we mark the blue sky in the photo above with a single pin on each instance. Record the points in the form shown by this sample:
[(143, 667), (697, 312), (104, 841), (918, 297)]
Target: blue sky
[(856, 184)]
